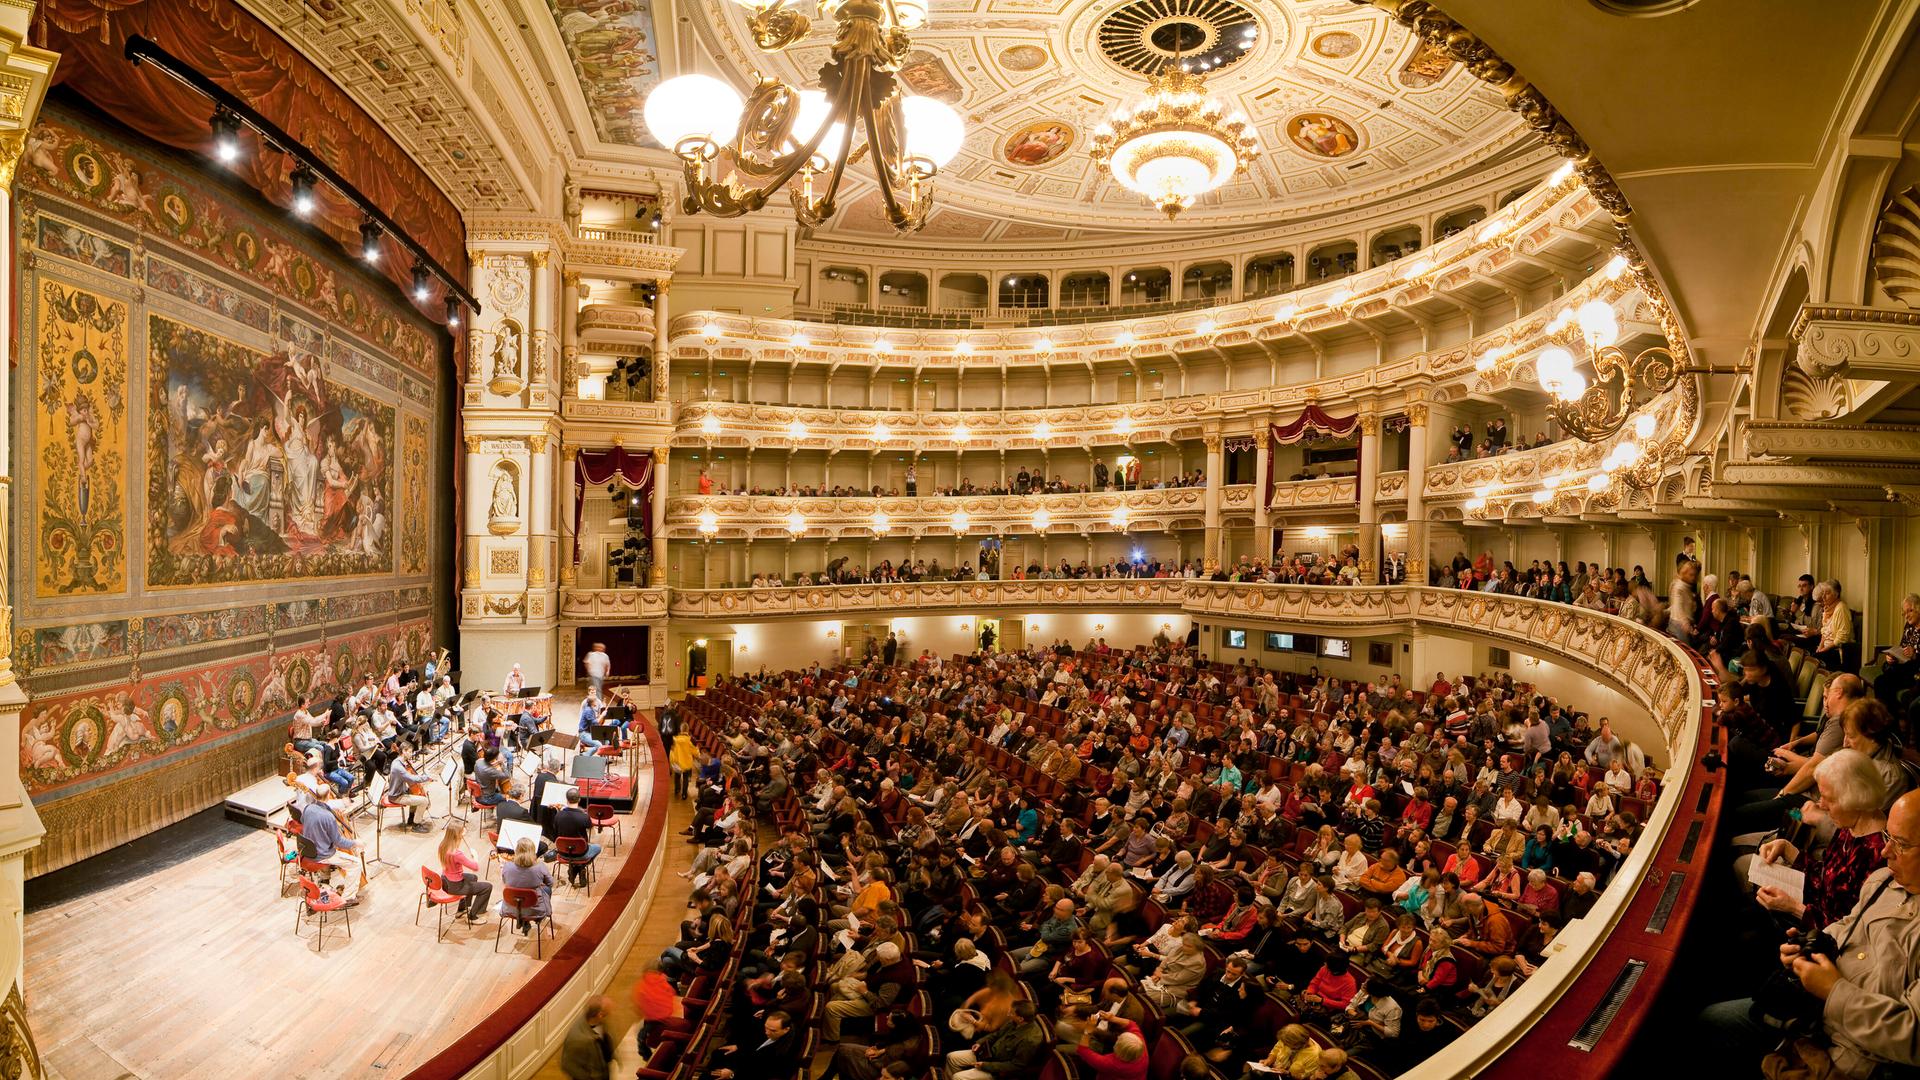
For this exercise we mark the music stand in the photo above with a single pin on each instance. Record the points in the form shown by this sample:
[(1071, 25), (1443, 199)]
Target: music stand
[(605, 733), (450, 775), (514, 830), (529, 692), (555, 794), (588, 767)]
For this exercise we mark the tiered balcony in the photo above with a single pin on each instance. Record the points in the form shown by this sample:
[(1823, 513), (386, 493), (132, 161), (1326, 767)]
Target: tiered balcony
[(773, 517)]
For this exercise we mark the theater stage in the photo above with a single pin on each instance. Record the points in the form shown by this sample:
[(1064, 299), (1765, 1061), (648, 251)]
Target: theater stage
[(194, 969)]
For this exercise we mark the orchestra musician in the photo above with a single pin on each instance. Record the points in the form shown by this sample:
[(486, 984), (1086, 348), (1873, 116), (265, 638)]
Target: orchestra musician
[(516, 682), (321, 825), (426, 715), (409, 789), (590, 711), (496, 782), (459, 874)]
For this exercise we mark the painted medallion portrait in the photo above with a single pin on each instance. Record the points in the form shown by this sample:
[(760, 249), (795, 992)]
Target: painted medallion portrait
[(1322, 135), (1038, 143)]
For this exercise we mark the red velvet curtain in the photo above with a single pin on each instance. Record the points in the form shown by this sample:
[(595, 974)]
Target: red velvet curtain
[(1313, 422), (591, 468), (251, 61)]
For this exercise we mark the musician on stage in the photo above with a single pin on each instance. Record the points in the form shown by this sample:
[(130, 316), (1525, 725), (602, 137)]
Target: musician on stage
[(426, 713), (456, 874), (590, 711), (516, 682), (496, 783), (408, 789), (320, 826)]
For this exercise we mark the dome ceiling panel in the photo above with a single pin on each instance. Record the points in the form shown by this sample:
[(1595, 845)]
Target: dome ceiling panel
[(1348, 106)]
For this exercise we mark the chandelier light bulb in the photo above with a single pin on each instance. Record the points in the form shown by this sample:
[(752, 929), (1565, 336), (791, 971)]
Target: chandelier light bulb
[(961, 522), (1598, 482), (1542, 497), (796, 522), (934, 130), (710, 425), (1561, 174), (1205, 327), (1045, 344), (1118, 519), (1483, 491), (881, 522), (1042, 520), (1643, 425), (963, 347), (797, 430), (881, 433), (710, 331), (1125, 337), (1627, 454), (709, 522), (1494, 229), (1554, 368), (1572, 387), (1124, 426), (1285, 313), (799, 339), (814, 110), (1598, 322), (882, 345), (961, 434), (1476, 503), (689, 106), (1043, 431), (1615, 267)]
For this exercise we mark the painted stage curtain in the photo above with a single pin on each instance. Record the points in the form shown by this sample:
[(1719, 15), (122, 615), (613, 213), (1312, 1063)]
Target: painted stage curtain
[(251, 61), (1313, 422), (592, 468)]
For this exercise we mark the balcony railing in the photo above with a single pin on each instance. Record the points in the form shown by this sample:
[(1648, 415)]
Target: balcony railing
[(616, 236), (1069, 515)]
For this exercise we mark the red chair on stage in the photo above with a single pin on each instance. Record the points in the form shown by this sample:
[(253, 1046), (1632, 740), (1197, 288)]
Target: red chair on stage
[(600, 817), (571, 851), (434, 891), (494, 854), (289, 861), (518, 904), (473, 797), (313, 902)]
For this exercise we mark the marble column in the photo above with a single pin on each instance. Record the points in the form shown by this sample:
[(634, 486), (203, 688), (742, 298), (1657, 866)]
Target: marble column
[(1369, 513), (1215, 476), (658, 576), (1417, 540), (569, 336), (662, 354), (1262, 520)]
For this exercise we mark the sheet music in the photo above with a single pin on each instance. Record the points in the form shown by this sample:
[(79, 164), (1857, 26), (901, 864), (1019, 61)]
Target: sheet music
[(512, 831), (1780, 876), (555, 793), (449, 770)]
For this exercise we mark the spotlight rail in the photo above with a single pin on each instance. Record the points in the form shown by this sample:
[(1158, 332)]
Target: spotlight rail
[(141, 50)]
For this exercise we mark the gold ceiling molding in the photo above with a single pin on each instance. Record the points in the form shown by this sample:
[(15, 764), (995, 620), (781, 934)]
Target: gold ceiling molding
[(1438, 29)]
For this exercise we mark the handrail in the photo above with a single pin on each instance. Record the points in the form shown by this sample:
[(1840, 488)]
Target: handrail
[(470, 1053), (1655, 671)]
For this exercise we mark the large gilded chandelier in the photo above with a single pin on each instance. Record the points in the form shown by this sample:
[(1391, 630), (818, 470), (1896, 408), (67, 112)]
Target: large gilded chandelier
[(1176, 145), (738, 154)]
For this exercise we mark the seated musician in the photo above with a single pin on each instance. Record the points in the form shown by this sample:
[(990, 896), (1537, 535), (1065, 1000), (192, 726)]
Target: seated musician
[(571, 821), (525, 871), (456, 874), (590, 711), (321, 826), (428, 716), (402, 785), (496, 783), (302, 725), (515, 683), (552, 760), (384, 724), (315, 785), (390, 689), (366, 746), (444, 693), (367, 694)]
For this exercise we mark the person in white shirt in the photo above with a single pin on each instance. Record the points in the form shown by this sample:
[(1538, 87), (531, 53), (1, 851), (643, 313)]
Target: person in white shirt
[(598, 664), (1618, 778), (1508, 808), (515, 682)]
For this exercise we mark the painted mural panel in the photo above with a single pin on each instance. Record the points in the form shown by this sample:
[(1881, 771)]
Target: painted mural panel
[(259, 467), (614, 56), (68, 738), (414, 540), (80, 437)]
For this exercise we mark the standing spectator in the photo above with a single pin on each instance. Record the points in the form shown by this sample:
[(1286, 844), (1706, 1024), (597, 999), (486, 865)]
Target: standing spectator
[(588, 1047)]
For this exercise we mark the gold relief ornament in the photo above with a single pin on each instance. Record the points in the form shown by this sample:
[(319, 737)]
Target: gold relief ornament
[(12, 143), (537, 259), (1417, 415)]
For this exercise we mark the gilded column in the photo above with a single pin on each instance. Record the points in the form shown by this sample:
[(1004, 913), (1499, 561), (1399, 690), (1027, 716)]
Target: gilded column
[(1215, 477), (1417, 494), (1368, 481), (1262, 520), (540, 374), (662, 347), (569, 334), (570, 492), (658, 576)]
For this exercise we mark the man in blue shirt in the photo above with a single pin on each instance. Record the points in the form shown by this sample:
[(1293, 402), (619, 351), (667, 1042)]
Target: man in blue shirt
[(322, 829), (589, 716)]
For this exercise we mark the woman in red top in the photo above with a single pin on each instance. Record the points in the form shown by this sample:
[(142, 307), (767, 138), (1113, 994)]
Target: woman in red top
[(1129, 1058), (456, 874)]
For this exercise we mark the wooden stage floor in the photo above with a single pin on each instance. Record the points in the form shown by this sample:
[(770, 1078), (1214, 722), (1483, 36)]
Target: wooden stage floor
[(194, 970)]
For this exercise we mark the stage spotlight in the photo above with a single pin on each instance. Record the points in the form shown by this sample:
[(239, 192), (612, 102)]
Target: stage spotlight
[(420, 282), (303, 181), (370, 241)]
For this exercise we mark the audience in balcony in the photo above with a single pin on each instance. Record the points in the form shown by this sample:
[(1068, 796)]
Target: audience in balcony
[(1461, 446), (1022, 483), (1310, 568), (1196, 793)]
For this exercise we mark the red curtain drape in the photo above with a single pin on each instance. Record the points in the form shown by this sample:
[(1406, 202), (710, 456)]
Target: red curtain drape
[(251, 61), (1313, 422), (591, 468)]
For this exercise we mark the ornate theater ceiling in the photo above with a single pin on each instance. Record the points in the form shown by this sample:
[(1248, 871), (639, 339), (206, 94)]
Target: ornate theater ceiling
[(1350, 108)]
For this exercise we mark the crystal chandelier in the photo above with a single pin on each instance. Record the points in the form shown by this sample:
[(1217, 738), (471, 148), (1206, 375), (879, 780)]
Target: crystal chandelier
[(1176, 145), (738, 154)]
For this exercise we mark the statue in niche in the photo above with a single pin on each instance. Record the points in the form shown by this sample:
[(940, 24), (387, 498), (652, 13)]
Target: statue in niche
[(506, 353), (505, 506), (572, 204)]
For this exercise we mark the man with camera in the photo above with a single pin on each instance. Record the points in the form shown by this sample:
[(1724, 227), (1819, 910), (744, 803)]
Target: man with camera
[(1850, 993)]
